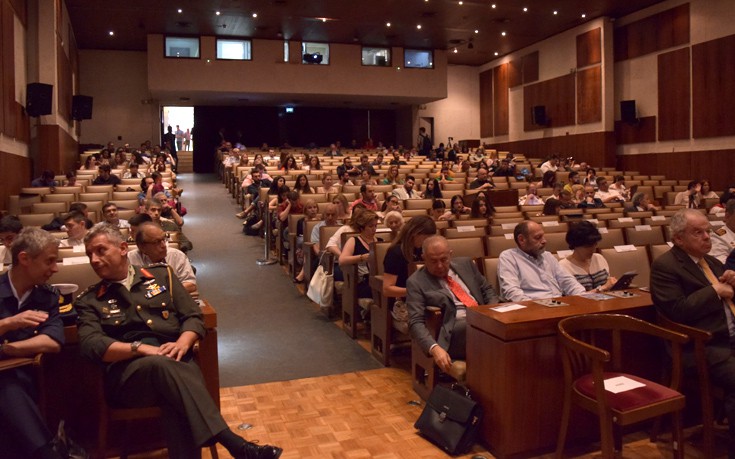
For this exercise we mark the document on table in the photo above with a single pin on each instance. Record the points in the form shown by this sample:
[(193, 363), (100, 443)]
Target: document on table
[(507, 307), (620, 384)]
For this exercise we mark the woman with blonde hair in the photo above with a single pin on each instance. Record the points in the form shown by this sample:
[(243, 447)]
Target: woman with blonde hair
[(356, 250)]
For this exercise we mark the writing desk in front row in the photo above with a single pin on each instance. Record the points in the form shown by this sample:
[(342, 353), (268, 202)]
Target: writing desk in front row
[(514, 369)]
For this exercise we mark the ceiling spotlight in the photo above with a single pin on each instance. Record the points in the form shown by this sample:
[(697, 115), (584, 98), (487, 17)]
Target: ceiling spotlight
[(112, 33), (493, 6), (255, 15), (180, 10), (556, 12), (217, 13), (461, 3), (502, 33), (496, 53), (477, 31), (418, 26), (525, 9), (455, 51), (584, 15)]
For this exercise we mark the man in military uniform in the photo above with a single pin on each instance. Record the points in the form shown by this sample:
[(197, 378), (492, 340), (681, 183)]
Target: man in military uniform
[(29, 324), (723, 238), (142, 324)]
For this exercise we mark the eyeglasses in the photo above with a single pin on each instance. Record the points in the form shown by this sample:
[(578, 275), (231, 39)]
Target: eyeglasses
[(156, 241)]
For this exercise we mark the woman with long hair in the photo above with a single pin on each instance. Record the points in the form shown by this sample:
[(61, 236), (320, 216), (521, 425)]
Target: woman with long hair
[(391, 176), (356, 250), (456, 209), (290, 164), (314, 164), (549, 179), (343, 207), (432, 190), (482, 207), (302, 185)]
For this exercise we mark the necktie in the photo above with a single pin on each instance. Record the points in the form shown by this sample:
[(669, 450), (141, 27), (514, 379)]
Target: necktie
[(459, 292), (712, 280), (692, 204)]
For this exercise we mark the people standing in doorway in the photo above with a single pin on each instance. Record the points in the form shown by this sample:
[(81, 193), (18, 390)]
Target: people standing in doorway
[(425, 144), (187, 139), (179, 138), (169, 139)]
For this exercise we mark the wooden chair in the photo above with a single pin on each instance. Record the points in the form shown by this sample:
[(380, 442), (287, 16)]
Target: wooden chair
[(556, 242), (706, 391), (587, 366), (66, 198), (495, 245), (35, 219), (471, 247), (657, 250), (490, 269), (641, 235), (620, 223), (57, 208), (381, 320), (464, 231), (623, 262)]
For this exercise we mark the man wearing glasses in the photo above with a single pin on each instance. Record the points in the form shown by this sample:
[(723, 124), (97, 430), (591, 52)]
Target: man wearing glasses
[(151, 242)]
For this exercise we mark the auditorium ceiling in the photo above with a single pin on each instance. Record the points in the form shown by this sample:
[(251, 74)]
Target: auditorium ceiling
[(479, 30)]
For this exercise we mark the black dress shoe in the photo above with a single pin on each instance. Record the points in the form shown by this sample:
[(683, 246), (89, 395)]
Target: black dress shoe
[(253, 451)]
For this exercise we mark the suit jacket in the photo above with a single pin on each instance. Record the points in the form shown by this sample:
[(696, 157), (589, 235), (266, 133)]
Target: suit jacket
[(682, 293), (424, 290)]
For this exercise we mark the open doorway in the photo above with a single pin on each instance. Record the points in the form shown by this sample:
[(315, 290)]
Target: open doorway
[(427, 122), (181, 120)]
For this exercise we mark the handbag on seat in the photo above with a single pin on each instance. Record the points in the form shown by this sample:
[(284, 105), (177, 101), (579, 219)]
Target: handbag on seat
[(451, 419), (321, 286)]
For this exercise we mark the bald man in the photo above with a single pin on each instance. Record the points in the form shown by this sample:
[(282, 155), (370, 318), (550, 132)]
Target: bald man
[(150, 240)]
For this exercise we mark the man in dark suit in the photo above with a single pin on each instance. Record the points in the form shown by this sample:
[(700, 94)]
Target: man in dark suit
[(436, 284), (692, 287)]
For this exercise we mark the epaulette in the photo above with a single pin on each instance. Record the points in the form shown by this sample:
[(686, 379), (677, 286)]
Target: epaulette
[(86, 290), (720, 231)]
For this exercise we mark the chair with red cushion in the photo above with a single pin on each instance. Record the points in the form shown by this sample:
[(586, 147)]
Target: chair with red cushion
[(587, 366)]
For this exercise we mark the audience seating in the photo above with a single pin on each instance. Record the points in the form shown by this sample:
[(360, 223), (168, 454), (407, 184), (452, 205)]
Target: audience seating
[(495, 245), (642, 235), (471, 247), (657, 250), (57, 208), (36, 219), (490, 269), (381, 320), (623, 262)]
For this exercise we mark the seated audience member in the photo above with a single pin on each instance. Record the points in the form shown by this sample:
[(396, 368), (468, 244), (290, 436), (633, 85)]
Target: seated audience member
[(45, 180), (706, 190), (590, 200), (566, 199), (106, 177), (347, 167), (379, 159), (551, 207), (589, 268), (344, 211), (152, 249), (548, 180), (291, 205), (723, 238), (483, 181), (366, 166), (574, 179), (328, 185), (619, 186), (90, 164), (356, 250), (366, 179), (29, 324), (481, 207), (334, 245), (453, 286), (605, 193), (333, 151), (289, 163), (135, 221), (394, 221), (330, 219), (392, 204), (691, 197), (719, 208), (110, 215), (253, 191), (531, 198), (577, 194), (10, 227), (302, 185), (529, 272), (71, 178), (133, 172), (591, 178), (148, 356), (551, 165), (391, 176), (313, 164), (641, 202), (438, 208), (367, 198), (406, 191), (76, 224), (153, 208), (504, 169), (168, 208), (456, 209), (310, 213), (691, 287), (344, 180), (432, 190)]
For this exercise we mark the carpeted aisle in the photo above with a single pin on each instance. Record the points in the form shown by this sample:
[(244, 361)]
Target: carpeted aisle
[(267, 330)]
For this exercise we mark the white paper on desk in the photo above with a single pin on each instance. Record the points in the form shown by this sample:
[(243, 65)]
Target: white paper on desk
[(625, 248), (75, 261), (508, 225), (643, 227), (508, 307), (620, 384), (465, 229), (78, 248), (602, 230), (625, 219), (658, 218), (594, 221), (509, 236), (551, 223), (671, 244)]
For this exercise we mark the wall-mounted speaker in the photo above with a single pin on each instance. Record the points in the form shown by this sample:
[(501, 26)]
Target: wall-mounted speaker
[(38, 99), (81, 108), (538, 115), (628, 112)]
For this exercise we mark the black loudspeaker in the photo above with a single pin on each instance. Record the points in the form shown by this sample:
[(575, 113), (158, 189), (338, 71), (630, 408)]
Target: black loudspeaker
[(81, 108), (313, 58), (38, 99), (627, 111), (538, 115)]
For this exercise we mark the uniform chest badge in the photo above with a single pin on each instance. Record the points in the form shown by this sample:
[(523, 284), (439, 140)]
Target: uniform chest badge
[(164, 314), (154, 290)]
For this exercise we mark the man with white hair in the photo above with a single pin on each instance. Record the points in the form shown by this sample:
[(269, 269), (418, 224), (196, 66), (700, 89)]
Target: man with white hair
[(152, 249)]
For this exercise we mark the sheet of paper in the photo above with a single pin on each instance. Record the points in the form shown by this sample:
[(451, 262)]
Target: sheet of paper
[(78, 249), (643, 227), (465, 229), (596, 296), (509, 236), (508, 225), (552, 223), (625, 219), (658, 218), (594, 221), (75, 261), (602, 230), (508, 307), (625, 248), (620, 384)]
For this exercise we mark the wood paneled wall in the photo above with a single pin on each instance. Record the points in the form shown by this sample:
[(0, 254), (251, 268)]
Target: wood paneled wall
[(589, 48), (595, 148), (486, 103), (16, 174), (557, 95), (58, 151), (642, 131), (529, 64), (13, 121), (501, 118), (713, 86), (655, 33), (673, 95), (715, 165), (589, 95)]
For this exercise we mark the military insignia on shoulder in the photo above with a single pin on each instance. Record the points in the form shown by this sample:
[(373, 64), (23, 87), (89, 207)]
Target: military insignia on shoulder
[(85, 291), (145, 273), (720, 231), (157, 265)]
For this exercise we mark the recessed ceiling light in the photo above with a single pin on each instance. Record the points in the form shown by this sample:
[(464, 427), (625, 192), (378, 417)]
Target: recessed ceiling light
[(502, 33), (556, 12), (111, 33), (477, 31), (493, 6), (180, 10), (255, 15), (418, 26), (525, 9), (455, 51), (217, 13), (324, 19), (584, 15), (461, 3), (387, 24), (496, 53)]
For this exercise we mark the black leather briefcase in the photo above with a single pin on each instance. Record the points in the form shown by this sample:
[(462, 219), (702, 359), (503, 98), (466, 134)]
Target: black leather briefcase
[(451, 419)]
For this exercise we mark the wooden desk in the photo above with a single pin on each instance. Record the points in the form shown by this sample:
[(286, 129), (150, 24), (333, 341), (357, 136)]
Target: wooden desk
[(514, 370), (70, 392)]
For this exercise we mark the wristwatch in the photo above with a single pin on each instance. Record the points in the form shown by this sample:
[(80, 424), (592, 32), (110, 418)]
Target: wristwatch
[(134, 346)]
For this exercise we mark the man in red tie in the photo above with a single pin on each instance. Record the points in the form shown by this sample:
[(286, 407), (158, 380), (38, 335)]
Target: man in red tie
[(453, 286), (691, 287)]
